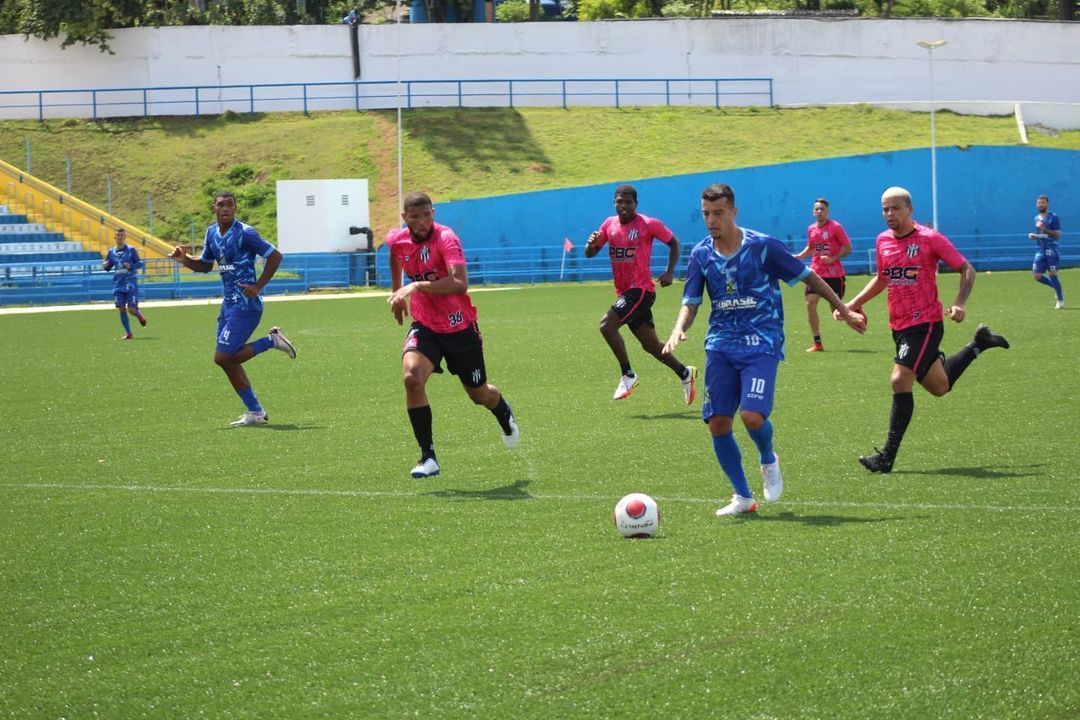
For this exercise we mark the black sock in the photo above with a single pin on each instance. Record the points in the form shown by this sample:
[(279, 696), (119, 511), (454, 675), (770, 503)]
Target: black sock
[(817, 339), (502, 413), (626, 369), (420, 418), (955, 365), (683, 372), (903, 406)]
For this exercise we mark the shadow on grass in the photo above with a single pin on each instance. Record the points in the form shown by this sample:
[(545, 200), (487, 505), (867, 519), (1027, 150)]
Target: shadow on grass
[(517, 491), (984, 472), (280, 428), (491, 139), (688, 415), (823, 520)]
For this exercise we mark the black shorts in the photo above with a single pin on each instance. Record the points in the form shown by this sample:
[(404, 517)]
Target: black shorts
[(463, 350), (917, 347), (838, 286), (634, 307)]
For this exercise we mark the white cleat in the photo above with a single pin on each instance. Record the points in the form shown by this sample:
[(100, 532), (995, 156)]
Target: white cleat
[(1059, 305), (689, 389), (251, 418), (282, 343), (511, 440), (774, 484), (738, 506), (627, 383), (425, 469)]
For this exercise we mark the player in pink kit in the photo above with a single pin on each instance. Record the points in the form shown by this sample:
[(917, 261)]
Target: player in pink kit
[(629, 237), (907, 260), (444, 324), (827, 242)]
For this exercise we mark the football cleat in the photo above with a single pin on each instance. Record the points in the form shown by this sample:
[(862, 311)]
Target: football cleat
[(127, 336), (689, 385), (985, 338), (816, 347), (427, 467), (511, 439), (879, 463), (738, 506), (774, 484), (282, 343), (251, 418), (1059, 305), (627, 383)]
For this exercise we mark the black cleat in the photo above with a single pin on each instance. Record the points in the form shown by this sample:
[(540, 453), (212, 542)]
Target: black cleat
[(880, 463), (986, 338)]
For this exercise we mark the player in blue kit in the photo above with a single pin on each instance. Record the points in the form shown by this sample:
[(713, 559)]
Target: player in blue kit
[(741, 270), (125, 263), (233, 245), (1046, 235)]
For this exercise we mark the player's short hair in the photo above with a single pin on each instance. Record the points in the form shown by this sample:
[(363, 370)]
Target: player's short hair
[(625, 189), (226, 194), (416, 199), (121, 230), (718, 191), (823, 201), (897, 192), (1043, 197)]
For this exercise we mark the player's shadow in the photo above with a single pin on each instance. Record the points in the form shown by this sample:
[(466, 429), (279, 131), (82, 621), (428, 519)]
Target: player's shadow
[(279, 428), (861, 352), (517, 491), (687, 415), (983, 472), (818, 520)]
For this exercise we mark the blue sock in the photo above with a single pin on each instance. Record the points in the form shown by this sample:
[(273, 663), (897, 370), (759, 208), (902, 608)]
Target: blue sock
[(762, 437), (124, 322), (262, 344), (1045, 281), (250, 401), (727, 452), (1056, 284)]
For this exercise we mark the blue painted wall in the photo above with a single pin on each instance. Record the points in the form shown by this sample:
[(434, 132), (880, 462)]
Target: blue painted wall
[(986, 195)]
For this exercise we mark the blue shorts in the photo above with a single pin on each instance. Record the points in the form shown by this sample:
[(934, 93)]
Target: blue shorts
[(130, 299), (738, 381), (1045, 261), (234, 327)]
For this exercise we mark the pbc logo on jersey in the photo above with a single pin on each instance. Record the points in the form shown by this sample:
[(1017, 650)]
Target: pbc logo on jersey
[(901, 275), (622, 253), (425, 254), (427, 275), (912, 250)]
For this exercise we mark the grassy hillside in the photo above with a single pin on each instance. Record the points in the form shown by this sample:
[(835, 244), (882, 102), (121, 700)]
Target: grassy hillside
[(451, 153)]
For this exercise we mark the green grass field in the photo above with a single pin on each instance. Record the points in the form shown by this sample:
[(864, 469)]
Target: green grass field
[(156, 564)]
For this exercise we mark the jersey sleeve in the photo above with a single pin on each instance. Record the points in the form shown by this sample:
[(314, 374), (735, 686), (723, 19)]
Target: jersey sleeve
[(136, 261), (109, 262), (780, 263), (660, 231), (1053, 222), (254, 242), (603, 231), (842, 236), (946, 251), (694, 289), (207, 254), (450, 245)]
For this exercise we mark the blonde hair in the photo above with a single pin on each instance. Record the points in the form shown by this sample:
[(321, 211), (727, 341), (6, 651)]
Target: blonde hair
[(897, 192)]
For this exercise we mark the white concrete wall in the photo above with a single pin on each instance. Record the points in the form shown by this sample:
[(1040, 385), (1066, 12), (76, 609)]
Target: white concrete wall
[(811, 60)]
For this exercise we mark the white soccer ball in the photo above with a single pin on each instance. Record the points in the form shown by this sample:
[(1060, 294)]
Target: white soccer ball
[(636, 516)]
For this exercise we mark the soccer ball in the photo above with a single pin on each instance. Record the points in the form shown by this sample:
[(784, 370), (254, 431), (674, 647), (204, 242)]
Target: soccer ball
[(636, 516)]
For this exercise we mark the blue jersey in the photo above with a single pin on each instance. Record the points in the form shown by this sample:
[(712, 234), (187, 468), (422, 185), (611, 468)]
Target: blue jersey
[(235, 253), (747, 315), (1050, 222), (124, 279)]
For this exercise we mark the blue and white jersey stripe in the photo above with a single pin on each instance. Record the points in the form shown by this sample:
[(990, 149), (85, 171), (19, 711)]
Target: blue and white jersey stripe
[(234, 252)]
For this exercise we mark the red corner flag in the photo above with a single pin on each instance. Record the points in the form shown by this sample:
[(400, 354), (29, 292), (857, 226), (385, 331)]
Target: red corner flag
[(567, 246)]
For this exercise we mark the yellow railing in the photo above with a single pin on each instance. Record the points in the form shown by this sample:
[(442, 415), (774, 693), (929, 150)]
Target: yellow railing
[(80, 221)]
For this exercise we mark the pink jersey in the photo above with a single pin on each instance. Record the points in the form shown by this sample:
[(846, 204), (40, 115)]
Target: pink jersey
[(630, 248), (431, 260), (909, 266), (828, 239)]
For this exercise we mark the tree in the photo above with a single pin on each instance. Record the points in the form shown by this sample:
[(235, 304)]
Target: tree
[(81, 21)]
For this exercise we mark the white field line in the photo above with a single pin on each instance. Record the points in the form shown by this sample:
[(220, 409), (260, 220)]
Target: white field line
[(479, 494), (107, 305)]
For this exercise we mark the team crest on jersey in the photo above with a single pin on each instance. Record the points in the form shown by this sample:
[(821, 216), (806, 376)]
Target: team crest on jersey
[(825, 235), (632, 236), (912, 250), (425, 254)]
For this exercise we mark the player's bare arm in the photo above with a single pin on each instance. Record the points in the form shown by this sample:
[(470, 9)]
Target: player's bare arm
[(590, 245), (967, 281), (673, 257), (687, 313), (194, 264), (272, 264), (855, 321)]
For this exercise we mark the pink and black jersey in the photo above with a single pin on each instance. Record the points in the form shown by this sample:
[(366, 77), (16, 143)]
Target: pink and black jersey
[(431, 260), (909, 265), (630, 249), (827, 240)]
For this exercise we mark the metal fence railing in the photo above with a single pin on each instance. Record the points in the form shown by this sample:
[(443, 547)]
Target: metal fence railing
[(383, 94)]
